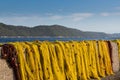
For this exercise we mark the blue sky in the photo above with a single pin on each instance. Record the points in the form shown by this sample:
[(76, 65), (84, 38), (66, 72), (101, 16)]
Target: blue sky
[(86, 15)]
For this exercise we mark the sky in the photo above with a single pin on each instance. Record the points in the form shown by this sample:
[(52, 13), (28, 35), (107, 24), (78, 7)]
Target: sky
[(85, 15)]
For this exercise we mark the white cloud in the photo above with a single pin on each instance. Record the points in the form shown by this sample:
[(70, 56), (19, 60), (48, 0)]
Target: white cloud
[(104, 14), (117, 14), (117, 8), (110, 14), (82, 21), (22, 20), (48, 14), (55, 17), (60, 10), (73, 17), (32, 20), (80, 16)]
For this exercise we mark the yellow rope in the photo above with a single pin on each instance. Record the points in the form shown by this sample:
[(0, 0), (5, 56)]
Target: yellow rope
[(70, 60)]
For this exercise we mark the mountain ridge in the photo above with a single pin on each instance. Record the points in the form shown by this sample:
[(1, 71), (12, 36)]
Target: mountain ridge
[(48, 30)]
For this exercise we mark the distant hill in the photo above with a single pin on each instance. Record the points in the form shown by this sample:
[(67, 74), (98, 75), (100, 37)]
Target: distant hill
[(115, 35), (46, 30)]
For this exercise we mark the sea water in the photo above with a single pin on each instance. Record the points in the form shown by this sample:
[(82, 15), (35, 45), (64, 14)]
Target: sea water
[(50, 39)]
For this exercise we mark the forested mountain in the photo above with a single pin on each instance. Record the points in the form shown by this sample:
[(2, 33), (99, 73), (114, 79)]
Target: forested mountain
[(47, 30)]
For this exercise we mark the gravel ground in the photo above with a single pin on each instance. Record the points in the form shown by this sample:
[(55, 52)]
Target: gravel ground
[(116, 76), (6, 73)]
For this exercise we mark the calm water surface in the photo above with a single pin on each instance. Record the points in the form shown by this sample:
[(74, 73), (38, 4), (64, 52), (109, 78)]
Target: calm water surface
[(49, 39)]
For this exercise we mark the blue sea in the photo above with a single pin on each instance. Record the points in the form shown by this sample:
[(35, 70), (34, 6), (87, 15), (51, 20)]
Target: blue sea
[(50, 39)]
